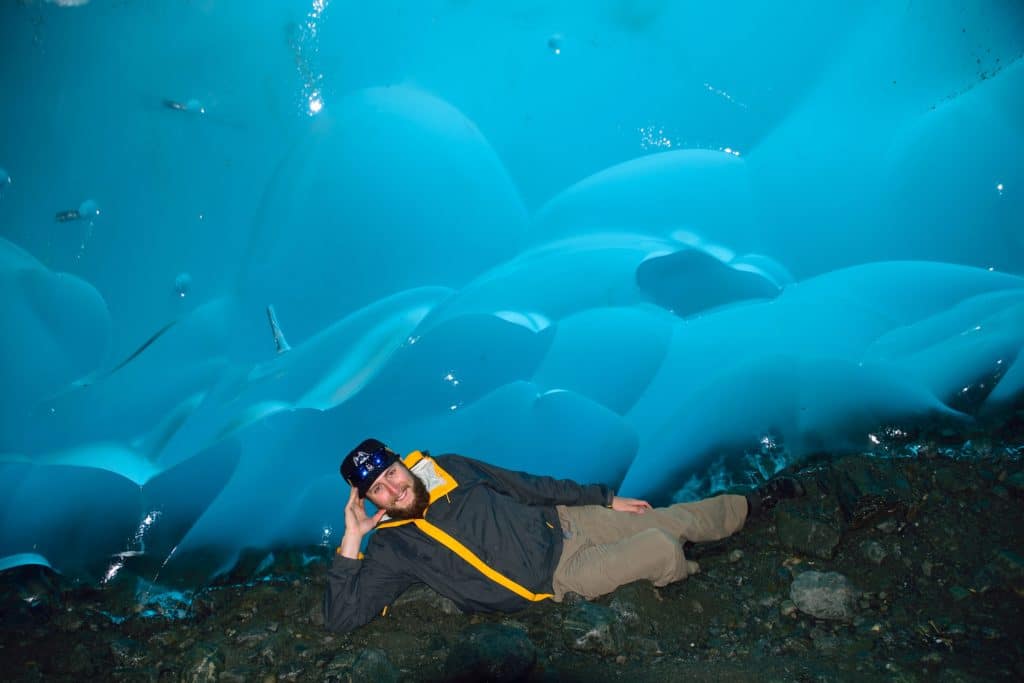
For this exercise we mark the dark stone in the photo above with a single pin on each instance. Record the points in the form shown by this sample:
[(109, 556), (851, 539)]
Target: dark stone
[(423, 596), (808, 530), (374, 665), (490, 652), (959, 593), (1015, 483), (315, 613), (30, 586), (238, 676), (635, 602), (869, 489), (340, 668), (80, 661), (874, 551), (824, 595), (594, 628), (949, 480), (1005, 570), (203, 664), (127, 652)]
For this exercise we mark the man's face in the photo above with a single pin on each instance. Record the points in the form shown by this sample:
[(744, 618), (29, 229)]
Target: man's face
[(399, 492)]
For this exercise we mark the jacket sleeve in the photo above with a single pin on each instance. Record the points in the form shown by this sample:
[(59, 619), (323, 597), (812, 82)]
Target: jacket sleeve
[(358, 590), (538, 490)]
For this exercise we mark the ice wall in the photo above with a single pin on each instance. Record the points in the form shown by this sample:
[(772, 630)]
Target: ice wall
[(656, 244)]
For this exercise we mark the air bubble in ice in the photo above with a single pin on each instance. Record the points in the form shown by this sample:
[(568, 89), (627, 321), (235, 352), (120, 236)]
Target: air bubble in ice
[(555, 43), (183, 285)]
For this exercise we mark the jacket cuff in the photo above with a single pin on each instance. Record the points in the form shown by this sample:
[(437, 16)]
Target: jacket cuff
[(344, 565)]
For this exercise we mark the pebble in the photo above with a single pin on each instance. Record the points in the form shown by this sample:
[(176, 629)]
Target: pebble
[(735, 556), (887, 526), (874, 551), (593, 628), (958, 593), (492, 652), (1015, 482), (374, 665), (824, 595)]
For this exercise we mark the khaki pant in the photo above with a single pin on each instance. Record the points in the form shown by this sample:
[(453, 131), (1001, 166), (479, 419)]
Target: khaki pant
[(604, 549)]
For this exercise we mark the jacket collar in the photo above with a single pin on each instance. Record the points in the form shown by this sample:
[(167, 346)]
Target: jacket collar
[(438, 482)]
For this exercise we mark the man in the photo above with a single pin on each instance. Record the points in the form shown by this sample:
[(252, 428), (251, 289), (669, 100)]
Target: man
[(495, 540)]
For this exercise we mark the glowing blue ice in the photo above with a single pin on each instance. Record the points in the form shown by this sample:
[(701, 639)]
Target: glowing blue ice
[(656, 244)]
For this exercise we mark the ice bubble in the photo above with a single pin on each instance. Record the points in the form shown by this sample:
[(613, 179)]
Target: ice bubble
[(193, 106), (183, 285), (88, 209), (555, 43)]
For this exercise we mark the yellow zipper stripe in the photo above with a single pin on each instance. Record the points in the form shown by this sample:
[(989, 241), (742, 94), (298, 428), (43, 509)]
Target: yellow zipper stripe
[(466, 554)]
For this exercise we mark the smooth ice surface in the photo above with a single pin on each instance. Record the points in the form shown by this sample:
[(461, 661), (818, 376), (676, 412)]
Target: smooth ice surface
[(666, 246)]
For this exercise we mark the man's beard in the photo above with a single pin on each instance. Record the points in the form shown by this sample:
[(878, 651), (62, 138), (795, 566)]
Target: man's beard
[(420, 501)]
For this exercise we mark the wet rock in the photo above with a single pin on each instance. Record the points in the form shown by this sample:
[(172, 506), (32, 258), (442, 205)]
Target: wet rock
[(824, 595), (422, 596), (625, 609), (167, 640), (645, 647), (593, 628), (315, 613), (959, 593), (251, 637), (127, 652), (1015, 483), (340, 667), (809, 530), (874, 551), (824, 641), (80, 661), (1005, 570), (794, 646), (30, 586), (373, 665), (490, 652), (69, 622), (202, 664), (636, 603), (888, 526), (950, 481), (868, 489), (238, 675)]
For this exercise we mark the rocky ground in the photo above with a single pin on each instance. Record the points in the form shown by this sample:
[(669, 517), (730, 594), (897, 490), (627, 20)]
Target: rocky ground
[(903, 564)]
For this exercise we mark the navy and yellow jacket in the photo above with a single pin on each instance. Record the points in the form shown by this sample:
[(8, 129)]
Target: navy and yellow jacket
[(490, 541)]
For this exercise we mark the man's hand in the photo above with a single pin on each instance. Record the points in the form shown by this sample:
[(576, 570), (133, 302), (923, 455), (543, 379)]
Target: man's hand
[(357, 525), (634, 505)]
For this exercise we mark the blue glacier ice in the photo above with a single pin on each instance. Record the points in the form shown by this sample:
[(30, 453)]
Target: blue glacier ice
[(671, 247)]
